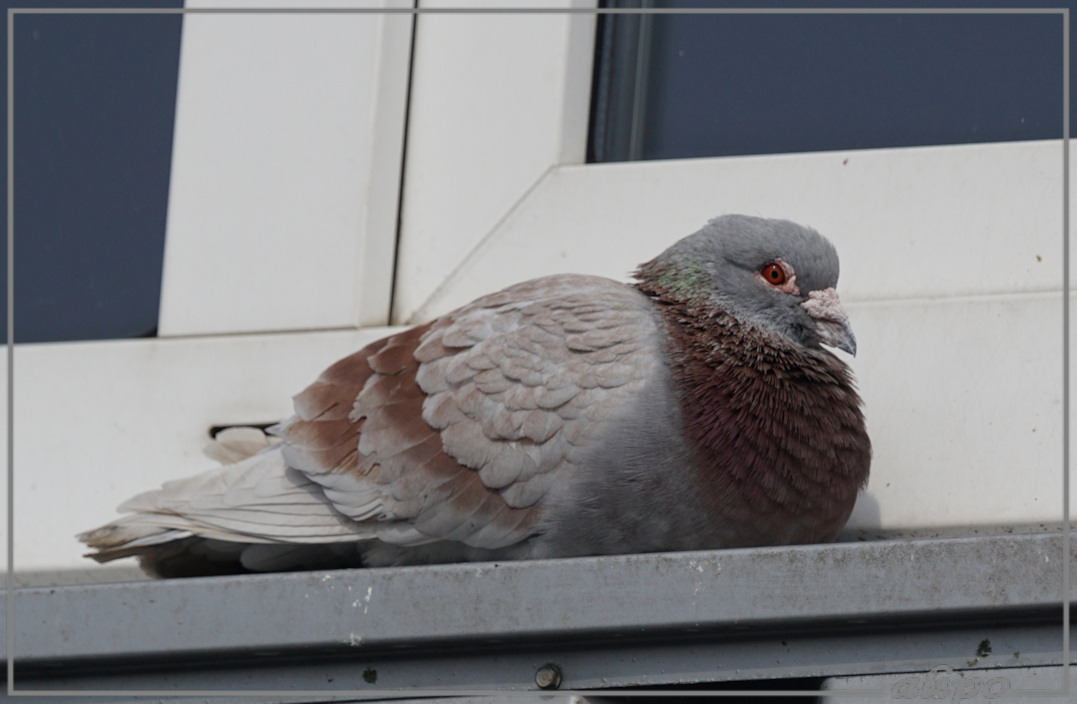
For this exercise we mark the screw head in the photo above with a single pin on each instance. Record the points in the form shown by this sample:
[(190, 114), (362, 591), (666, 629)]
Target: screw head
[(548, 676)]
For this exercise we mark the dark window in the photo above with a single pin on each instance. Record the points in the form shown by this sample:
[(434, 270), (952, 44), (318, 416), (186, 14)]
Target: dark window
[(94, 109), (675, 86)]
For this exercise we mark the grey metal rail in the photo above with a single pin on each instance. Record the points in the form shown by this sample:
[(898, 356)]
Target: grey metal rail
[(610, 622)]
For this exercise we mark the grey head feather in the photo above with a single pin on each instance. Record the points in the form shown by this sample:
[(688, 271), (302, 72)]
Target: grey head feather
[(721, 263)]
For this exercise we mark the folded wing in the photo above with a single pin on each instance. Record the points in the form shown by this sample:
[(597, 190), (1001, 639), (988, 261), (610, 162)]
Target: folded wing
[(461, 430)]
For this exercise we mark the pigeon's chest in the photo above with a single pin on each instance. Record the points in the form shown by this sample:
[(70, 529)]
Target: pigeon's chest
[(776, 437)]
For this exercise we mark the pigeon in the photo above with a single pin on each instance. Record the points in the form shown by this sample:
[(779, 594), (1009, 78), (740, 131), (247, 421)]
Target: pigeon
[(571, 415)]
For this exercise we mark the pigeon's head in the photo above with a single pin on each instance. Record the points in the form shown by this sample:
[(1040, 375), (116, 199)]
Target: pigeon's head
[(773, 274)]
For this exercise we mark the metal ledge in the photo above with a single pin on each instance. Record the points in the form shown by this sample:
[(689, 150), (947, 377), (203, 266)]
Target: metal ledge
[(806, 611)]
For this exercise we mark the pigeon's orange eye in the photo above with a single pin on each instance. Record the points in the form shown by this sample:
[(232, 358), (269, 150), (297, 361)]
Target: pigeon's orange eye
[(773, 274)]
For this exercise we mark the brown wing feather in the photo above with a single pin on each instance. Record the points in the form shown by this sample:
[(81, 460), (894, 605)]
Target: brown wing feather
[(359, 431), (459, 429)]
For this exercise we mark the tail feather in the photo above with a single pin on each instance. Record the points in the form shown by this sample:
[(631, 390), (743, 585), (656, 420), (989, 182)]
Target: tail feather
[(219, 514), (127, 536), (258, 514)]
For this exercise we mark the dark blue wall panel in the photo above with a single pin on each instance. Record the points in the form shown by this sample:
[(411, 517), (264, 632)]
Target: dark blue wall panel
[(94, 110)]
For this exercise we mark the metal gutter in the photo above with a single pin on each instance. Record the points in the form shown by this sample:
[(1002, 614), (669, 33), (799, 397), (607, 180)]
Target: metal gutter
[(676, 618)]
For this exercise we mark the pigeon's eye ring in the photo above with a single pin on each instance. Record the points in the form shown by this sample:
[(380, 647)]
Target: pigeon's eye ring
[(773, 274)]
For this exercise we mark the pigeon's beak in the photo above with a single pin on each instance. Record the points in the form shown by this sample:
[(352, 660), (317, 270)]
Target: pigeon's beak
[(831, 320)]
